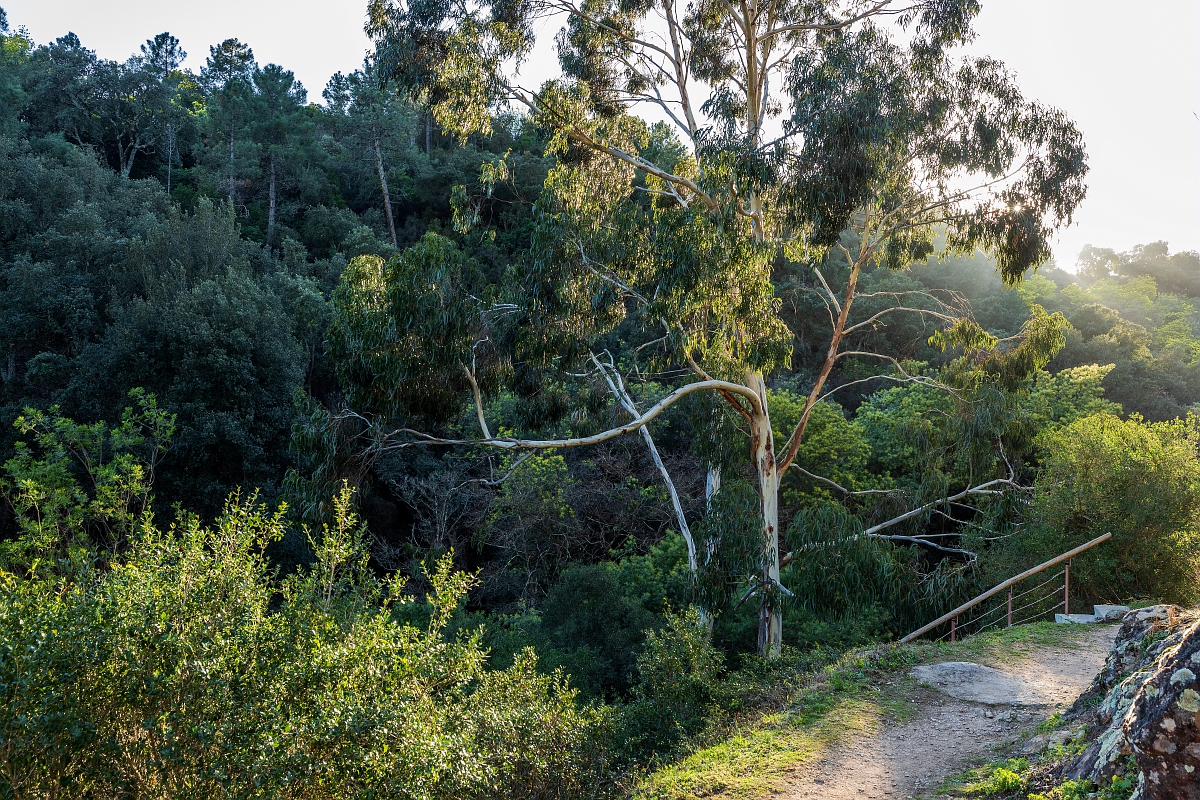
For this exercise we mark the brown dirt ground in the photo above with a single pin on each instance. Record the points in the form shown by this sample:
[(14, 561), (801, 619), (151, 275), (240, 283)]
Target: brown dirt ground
[(944, 736)]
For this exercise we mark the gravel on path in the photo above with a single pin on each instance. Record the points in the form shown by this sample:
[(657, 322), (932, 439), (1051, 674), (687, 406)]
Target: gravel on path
[(947, 734)]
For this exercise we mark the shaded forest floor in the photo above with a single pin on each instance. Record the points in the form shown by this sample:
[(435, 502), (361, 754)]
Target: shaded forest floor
[(866, 728)]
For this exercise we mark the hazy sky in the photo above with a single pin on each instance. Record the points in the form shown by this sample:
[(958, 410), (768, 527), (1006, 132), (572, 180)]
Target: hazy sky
[(1127, 72)]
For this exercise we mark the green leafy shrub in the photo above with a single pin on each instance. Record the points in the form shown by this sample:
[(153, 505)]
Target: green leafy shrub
[(185, 669), (680, 674), (594, 620), (1141, 482), (1003, 779), (81, 485), (1121, 788)]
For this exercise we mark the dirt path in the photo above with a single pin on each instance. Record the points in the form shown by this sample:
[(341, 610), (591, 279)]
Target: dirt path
[(944, 735)]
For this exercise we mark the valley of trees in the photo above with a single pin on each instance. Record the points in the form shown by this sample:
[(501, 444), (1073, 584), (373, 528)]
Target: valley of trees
[(449, 437)]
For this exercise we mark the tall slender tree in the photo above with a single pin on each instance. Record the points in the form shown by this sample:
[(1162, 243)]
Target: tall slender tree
[(163, 58), (227, 78), (278, 101), (373, 117)]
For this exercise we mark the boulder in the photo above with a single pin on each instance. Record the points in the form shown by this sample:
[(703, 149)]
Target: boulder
[(1140, 639), (1149, 714)]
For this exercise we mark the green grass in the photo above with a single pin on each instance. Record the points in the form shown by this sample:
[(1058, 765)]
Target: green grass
[(1050, 724), (831, 706), (1002, 779), (758, 760), (850, 698), (1003, 644)]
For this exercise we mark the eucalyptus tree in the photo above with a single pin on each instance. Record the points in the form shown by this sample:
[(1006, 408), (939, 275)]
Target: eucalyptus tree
[(799, 131)]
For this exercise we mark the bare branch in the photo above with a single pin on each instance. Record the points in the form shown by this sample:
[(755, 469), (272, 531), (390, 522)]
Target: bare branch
[(505, 443), (494, 482), (875, 10), (869, 320), (832, 296), (617, 387), (983, 488), (841, 489), (926, 543), (470, 373)]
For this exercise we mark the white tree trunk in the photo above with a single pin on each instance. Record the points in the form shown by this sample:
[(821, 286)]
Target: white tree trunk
[(712, 484), (770, 615)]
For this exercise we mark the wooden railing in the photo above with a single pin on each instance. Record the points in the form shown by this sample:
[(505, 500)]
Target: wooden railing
[(953, 616)]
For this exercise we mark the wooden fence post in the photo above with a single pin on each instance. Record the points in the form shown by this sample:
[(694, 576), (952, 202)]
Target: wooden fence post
[(953, 626), (1010, 606)]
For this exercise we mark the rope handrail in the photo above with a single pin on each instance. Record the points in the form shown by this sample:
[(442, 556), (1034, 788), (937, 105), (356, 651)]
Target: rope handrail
[(1004, 585), (1046, 582), (1001, 607)]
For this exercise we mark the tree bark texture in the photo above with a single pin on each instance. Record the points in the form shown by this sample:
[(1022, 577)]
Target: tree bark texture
[(770, 614)]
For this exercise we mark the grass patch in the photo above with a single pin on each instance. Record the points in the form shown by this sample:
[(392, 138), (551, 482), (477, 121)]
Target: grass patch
[(757, 761), (1003, 644), (1050, 724), (833, 705), (998, 779), (1121, 788), (993, 779)]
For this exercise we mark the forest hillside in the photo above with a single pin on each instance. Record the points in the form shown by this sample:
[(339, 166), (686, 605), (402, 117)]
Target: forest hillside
[(431, 439)]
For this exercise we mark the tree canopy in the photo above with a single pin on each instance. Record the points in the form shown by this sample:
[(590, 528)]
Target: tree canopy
[(794, 131)]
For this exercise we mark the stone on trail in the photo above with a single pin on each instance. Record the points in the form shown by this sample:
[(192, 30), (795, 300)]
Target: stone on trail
[(976, 683), (1078, 619)]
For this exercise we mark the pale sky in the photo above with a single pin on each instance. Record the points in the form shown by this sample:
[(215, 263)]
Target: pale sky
[(1128, 73)]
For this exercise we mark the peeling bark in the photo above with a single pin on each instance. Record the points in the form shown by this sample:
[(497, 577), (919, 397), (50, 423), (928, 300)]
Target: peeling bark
[(770, 615)]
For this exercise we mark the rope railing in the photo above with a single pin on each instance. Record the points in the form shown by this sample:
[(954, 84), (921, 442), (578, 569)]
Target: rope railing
[(1004, 612), (973, 621)]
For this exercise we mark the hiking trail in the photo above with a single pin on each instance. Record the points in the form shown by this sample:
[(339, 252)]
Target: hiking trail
[(979, 711)]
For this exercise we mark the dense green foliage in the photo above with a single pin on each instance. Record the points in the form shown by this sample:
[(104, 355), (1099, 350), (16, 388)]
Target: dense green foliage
[(219, 296), (1140, 482), (183, 668), (153, 269)]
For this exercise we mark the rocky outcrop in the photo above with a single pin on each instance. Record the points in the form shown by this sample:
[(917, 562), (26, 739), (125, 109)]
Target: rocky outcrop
[(1144, 707)]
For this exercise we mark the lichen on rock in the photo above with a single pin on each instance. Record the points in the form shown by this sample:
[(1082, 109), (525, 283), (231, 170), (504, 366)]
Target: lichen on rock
[(1148, 709)]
